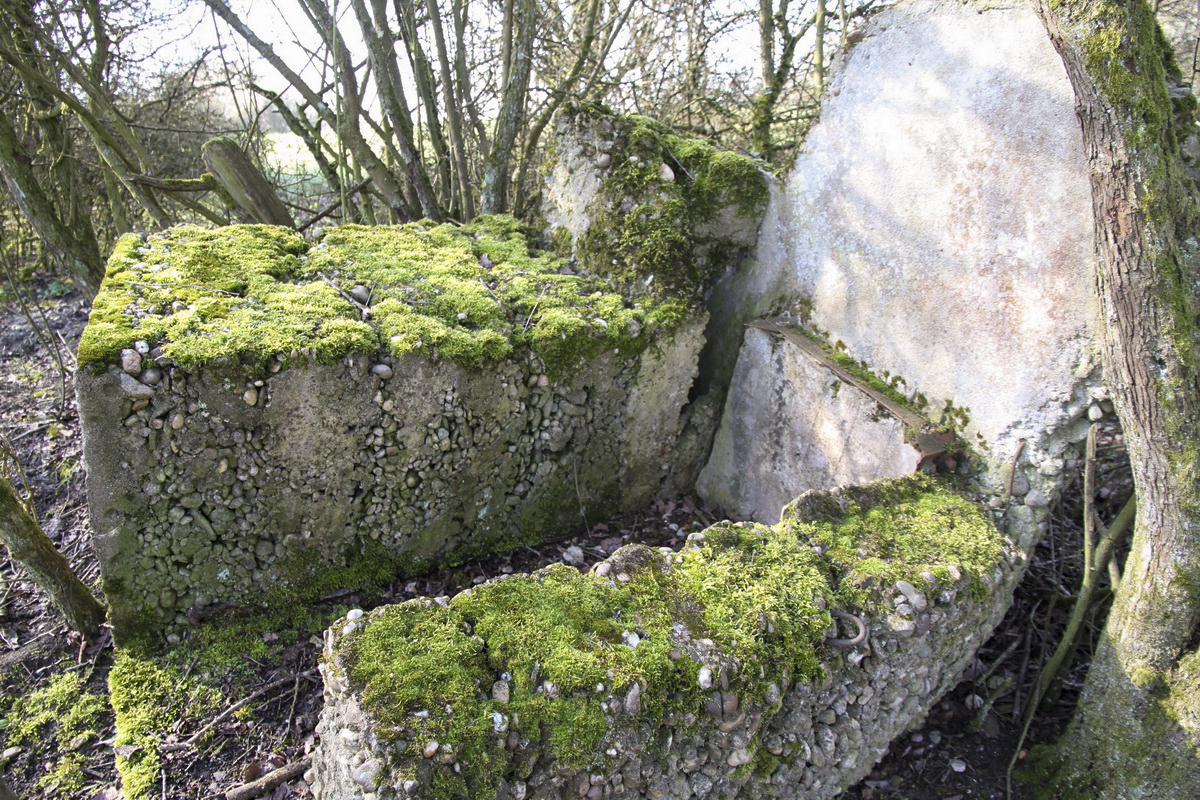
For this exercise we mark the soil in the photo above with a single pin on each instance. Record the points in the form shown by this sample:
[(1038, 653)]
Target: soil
[(961, 751)]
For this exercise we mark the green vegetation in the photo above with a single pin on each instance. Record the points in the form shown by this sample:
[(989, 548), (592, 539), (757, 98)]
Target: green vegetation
[(648, 230), (910, 526), (156, 694), (561, 641), (63, 716), (251, 294), (149, 696)]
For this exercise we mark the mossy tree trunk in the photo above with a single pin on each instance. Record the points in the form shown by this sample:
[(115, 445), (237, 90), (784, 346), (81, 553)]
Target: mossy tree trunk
[(1137, 730), (30, 546)]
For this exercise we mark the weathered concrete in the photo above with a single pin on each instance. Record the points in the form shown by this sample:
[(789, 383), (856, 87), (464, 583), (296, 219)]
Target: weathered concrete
[(937, 226), (791, 425), (711, 725), (238, 482)]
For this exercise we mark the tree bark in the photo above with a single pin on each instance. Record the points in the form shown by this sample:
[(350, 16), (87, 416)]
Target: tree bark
[(517, 68), (1137, 730), (76, 250), (252, 192), (29, 545)]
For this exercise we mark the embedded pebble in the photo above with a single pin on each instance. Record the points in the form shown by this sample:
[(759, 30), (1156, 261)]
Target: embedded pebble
[(1035, 499), (250, 396), (916, 598), (573, 555), (361, 293), (958, 765), (603, 160), (430, 749), (141, 347), (705, 678), (1095, 412), (131, 361), (666, 173), (633, 700), (382, 370), (132, 387), (500, 691), (353, 614)]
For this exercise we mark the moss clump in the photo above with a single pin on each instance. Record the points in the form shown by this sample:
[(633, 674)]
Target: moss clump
[(568, 645), (476, 294), (226, 293), (250, 294), (561, 640), (63, 716), (648, 230), (150, 695), (910, 526)]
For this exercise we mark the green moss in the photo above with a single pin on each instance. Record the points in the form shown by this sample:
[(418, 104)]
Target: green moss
[(250, 294), (647, 233), (150, 696), (914, 525), (62, 717), (560, 640)]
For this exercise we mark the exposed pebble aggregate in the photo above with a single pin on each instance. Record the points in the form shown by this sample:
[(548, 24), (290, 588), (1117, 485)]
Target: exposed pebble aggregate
[(808, 740), (217, 487)]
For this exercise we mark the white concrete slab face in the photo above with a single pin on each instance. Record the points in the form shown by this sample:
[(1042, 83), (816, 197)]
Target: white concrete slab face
[(820, 432), (938, 223)]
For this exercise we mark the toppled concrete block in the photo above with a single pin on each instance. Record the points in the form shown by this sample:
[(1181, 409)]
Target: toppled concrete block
[(713, 672), (269, 420)]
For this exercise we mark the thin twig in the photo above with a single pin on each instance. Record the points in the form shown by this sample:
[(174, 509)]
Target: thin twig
[(534, 309), (503, 310), (362, 307), (182, 286), (195, 737)]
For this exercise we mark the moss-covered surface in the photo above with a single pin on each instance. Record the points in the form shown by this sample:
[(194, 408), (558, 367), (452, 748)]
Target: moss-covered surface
[(562, 641), (157, 694), (253, 293), (902, 529), (63, 716), (647, 231)]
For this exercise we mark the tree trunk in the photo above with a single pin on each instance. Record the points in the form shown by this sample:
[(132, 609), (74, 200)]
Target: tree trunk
[(248, 187), (76, 250), (497, 168), (1137, 730), (29, 545)]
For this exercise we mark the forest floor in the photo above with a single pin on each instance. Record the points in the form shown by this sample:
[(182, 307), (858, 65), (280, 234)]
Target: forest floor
[(56, 724)]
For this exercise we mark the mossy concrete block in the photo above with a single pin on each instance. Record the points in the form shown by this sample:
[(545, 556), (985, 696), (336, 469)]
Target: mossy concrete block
[(268, 421), (716, 671), (792, 425), (660, 213)]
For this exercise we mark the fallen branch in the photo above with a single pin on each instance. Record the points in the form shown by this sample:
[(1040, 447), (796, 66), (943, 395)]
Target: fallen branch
[(1096, 555), (269, 781)]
